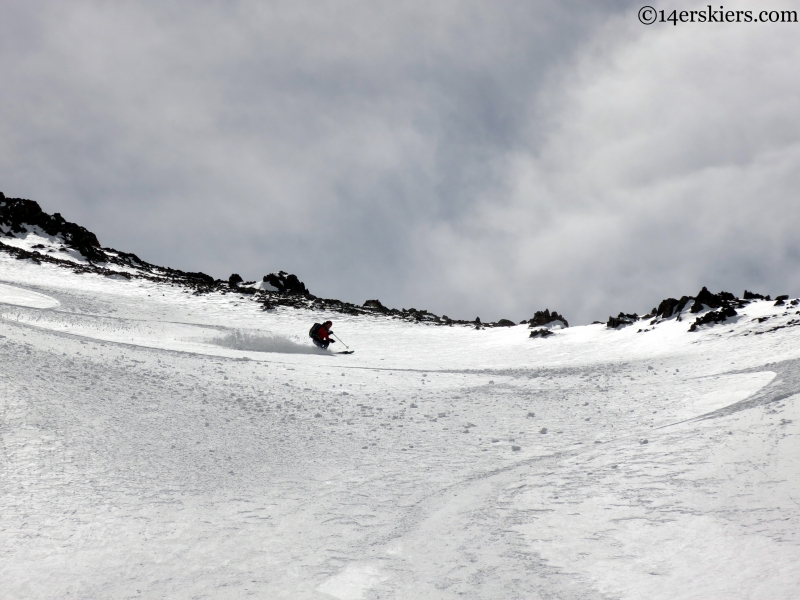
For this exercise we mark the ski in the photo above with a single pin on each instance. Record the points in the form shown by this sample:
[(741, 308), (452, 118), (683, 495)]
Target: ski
[(345, 352)]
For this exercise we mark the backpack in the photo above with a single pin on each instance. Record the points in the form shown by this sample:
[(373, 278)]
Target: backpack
[(312, 333)]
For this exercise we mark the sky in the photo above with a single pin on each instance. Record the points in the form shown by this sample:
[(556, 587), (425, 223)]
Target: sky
[(469, 158)]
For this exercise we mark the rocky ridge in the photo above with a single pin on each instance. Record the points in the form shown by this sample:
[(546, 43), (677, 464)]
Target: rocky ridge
[(74, 247), (716, 308), (20, 217)]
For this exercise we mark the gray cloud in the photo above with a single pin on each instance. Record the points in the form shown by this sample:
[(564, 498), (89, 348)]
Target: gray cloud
[(464, 157)]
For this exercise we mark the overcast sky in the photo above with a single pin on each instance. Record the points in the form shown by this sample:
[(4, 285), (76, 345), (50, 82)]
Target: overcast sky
[(469, 158)]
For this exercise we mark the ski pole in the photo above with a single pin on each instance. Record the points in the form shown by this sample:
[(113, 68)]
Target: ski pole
[(340, 339)]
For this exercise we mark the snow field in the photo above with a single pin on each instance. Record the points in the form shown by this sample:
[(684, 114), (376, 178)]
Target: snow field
[(145, 453)]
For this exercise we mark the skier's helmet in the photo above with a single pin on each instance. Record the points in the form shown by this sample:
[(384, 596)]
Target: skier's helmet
[(328, 323)]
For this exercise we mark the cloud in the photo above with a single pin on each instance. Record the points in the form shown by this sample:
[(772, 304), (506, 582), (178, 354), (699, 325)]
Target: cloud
[(464, 157), (671, 162)]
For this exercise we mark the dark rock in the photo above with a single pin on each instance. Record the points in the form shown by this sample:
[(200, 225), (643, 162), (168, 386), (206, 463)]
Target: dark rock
[(723, 305), (198, 277), (714, 316), (294, 285), (621, 320), (671, 306), (375, 305), (781, 300), (286, 282), (130, 259), (505, 323), (706, 298), (234, 280), (754, 296), (19, 212), (541, 333), (544, 317)]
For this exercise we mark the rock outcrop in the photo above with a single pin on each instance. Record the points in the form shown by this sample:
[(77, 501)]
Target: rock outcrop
[(286, 282), (713, 316), (24, 216), (670, 306), (541, 333), (622, 320), (706, 299), (753, 296), (545, 318), (715, 308), (20, 217)]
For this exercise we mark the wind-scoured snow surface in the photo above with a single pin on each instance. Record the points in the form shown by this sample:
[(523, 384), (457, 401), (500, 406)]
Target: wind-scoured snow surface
[(159, 444)]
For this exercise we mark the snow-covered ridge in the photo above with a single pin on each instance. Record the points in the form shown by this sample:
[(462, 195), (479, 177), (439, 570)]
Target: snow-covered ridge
[(29, 233), (711, 309)]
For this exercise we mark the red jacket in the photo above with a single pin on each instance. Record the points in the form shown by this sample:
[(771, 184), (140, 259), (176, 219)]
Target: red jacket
[(323, 333)]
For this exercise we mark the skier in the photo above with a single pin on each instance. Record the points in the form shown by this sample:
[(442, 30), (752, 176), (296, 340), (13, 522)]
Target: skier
[(320, 334)]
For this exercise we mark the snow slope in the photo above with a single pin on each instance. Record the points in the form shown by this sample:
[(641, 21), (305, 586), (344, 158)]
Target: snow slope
[(157, 443)]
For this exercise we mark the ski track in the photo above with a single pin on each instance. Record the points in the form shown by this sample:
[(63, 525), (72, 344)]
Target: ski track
[(141, 460)]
